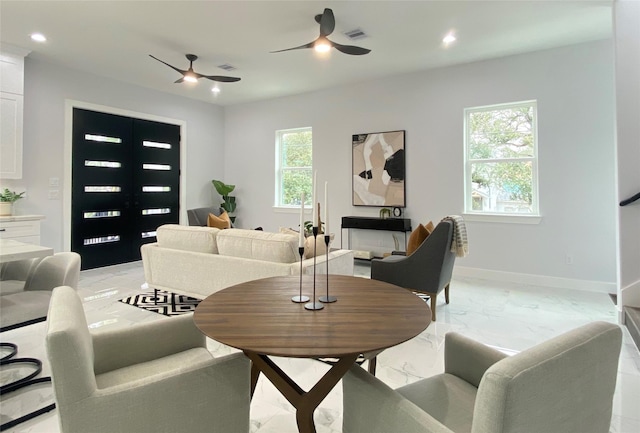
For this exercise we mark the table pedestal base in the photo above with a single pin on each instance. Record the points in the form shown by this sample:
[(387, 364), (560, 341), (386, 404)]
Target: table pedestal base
[(304, 402)]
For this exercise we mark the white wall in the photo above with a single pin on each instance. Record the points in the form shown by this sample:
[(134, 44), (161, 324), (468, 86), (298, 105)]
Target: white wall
[(627, 37), (48, 86), (574, 87)]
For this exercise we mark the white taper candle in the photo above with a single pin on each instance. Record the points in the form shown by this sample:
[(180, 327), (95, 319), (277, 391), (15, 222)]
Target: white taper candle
[(326, 208), (301, 240), (314, 206)]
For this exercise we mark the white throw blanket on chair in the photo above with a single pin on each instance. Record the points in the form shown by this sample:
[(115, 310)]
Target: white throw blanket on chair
[(459, 244)]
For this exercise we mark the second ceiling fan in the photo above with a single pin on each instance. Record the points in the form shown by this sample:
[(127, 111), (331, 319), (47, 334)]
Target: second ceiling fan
[(322, 43), (191, 76)]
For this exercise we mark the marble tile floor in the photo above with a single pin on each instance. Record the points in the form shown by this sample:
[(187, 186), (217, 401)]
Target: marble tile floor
[(506, 316)]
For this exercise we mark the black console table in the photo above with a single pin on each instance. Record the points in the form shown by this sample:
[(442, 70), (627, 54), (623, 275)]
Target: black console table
[(372, 223)]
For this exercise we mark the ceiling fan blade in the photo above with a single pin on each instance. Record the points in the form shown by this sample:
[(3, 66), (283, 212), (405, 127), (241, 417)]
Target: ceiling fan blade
[(172, 67), (351, 49), (221, 78), (309, 45), (327, 22), (179, 80)]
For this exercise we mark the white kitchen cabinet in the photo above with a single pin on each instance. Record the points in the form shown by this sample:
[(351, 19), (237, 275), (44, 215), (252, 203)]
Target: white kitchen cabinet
[(11, 110), (23, 228), (10, 136)]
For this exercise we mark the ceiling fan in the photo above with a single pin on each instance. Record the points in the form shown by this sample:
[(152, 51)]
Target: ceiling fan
[(191, 76), (322, 43)]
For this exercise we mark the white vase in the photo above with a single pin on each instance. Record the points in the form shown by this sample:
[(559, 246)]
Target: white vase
[(6, 208)]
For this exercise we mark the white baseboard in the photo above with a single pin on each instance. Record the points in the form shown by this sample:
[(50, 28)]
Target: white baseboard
[(630, 295), (536, 280)]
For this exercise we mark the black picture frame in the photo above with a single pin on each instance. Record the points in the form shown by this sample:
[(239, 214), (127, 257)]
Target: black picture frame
[(378, 169)]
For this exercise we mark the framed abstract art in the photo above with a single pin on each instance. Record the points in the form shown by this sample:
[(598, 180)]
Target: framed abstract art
[(379, 169)]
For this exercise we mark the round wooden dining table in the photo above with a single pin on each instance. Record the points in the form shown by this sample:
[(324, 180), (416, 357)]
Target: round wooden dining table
[(259, 318)]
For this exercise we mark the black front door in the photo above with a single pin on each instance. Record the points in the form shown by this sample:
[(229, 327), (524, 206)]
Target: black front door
[(125, 183)]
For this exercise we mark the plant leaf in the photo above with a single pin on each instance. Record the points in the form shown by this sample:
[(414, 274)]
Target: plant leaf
[(222, 188)]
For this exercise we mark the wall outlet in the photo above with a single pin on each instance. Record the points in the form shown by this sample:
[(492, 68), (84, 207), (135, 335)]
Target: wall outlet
[(568, 259), (54, 194)]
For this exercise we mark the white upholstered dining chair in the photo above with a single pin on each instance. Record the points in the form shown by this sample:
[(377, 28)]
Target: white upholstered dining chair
[(147, 378), (564, 385)]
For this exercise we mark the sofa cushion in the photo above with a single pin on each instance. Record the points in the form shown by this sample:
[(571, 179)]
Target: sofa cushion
[(188, 238), (320, 249), (258, 245)]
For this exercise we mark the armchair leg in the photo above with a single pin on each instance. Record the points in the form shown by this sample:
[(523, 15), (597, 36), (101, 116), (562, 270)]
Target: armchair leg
[(432, 298), (446, 293)]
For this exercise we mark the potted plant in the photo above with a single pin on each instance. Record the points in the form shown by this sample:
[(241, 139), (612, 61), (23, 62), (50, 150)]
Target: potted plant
[(7, 198), (229, 200)]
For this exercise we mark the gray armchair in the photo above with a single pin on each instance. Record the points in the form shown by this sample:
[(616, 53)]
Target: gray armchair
[(200, 215), (13, 275), (154, 377), (30, 305), (428, 270), (564, 385)]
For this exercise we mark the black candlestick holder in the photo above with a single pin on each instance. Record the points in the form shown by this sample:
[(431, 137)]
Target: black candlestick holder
[(327, 299), (300, 299), (314, 305)]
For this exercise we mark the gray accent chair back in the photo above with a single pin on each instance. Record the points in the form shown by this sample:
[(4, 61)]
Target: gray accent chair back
[(13, 275), (152, 377), (428, 270), (29, 304), (564, 385), (199, 216)]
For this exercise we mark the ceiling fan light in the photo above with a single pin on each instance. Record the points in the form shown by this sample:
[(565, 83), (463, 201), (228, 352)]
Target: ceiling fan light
[(322, 45), (190, 78)]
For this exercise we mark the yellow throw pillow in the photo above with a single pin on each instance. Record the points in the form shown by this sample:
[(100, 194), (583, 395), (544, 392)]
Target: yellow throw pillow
[(221, 222), (416, 238), (430, 227)]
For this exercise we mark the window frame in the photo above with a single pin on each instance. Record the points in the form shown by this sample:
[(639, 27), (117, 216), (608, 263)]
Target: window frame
[(493, 216), (279, 169)]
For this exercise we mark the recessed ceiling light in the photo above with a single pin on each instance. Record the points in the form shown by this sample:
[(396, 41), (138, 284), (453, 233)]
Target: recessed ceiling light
[(215, 90), (449, 39), (38, 37)]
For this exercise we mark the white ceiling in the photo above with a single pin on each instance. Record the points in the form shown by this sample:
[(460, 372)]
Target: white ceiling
[(114, 38)]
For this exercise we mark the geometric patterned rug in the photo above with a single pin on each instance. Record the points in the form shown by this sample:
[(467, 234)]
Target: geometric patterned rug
[(422, 296), (173, 304), (167, 303)]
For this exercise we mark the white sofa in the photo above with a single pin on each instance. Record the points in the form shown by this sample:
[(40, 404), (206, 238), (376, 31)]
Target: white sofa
[(199, 261)]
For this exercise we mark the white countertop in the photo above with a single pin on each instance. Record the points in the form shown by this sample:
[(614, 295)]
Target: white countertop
[(11, 250), (11, 218)]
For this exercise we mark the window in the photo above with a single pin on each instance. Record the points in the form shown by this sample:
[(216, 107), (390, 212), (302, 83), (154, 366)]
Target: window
[(501, 170), (294, 163)]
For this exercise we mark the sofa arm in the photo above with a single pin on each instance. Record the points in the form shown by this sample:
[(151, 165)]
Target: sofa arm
[(371, 406), (119, 348), (468, 359)]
